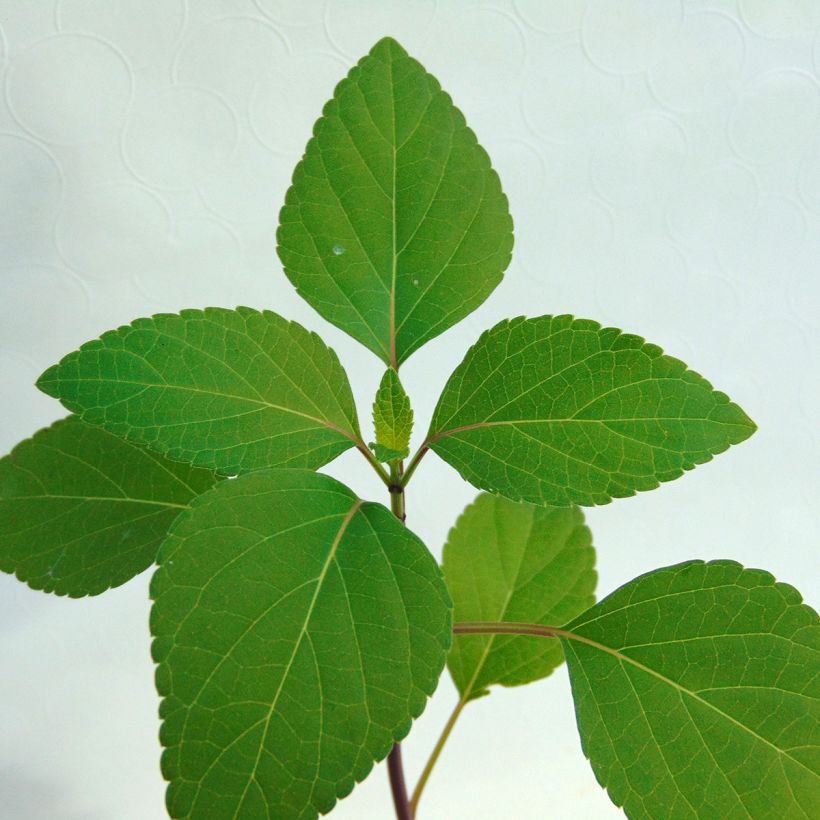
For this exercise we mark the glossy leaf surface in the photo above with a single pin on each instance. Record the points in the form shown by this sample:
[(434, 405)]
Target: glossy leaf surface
[(395, 226), (507, 561), (298, 631), (697, 694), (81, 510), (556, 410), (235, 390)]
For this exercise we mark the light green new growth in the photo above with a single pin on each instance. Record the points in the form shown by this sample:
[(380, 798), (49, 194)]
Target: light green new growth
[(298, 630), (82, 511), (392, 419), (560, 411), (507, 561), (395, 227), (235, 390), (698, 695)]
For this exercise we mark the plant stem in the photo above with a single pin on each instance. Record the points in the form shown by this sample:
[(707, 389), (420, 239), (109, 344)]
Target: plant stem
[(434, 755), (395, 769), (397, 784)]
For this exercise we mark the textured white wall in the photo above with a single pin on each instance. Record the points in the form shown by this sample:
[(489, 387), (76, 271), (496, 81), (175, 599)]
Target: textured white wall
[(663, 165)]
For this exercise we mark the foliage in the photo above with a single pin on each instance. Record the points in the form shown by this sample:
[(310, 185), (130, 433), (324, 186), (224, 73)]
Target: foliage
[(298, 630)]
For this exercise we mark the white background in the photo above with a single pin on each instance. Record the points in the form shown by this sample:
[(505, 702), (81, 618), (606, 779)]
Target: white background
[(662, 161)]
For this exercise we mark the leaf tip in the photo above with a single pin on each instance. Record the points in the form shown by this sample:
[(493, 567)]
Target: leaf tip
[(48, 381), (749, 424), (389, 47), (735, 416)]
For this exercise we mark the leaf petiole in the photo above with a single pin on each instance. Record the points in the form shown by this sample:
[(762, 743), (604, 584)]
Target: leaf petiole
[(414, 463), (509, 628), (434, 756), (373, 461), (472, 628)]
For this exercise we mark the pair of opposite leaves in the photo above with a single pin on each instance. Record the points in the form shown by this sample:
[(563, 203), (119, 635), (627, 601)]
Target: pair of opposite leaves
[(394, 229)]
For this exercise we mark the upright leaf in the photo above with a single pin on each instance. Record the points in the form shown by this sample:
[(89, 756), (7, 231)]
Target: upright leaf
[(506, 561), (298, 631), (235, 390), (395, 227), (697, 694), (392, 419), (82, 510), (560, 411)]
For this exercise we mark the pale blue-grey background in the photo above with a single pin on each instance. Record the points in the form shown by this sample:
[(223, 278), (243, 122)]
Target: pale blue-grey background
[(663, 165)]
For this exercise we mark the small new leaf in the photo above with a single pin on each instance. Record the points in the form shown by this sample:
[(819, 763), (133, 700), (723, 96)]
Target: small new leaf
[(298, 631), (82, 511), (395, 227), (234, 390), (556, 410), (392, 419), (507, 561), (697, 694)]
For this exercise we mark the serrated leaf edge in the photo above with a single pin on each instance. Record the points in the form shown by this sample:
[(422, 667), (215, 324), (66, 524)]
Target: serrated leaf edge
[(415, 706), (32, 583), (589, 324), (204, 313), (387, 353)]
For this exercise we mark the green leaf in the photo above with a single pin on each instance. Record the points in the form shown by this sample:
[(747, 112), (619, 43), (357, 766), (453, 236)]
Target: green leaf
[(82, 511), (235, 390), (395, 227), (506, 561), (561, 411), (697, 694), (392, 419), (298, 631)]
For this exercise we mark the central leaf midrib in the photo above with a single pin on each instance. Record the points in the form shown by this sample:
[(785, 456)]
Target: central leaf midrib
[(262, 403), (511, 628), (119, 498), (394, 254), (479, 425), (297, 643), (567, 635), (229, 653)]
